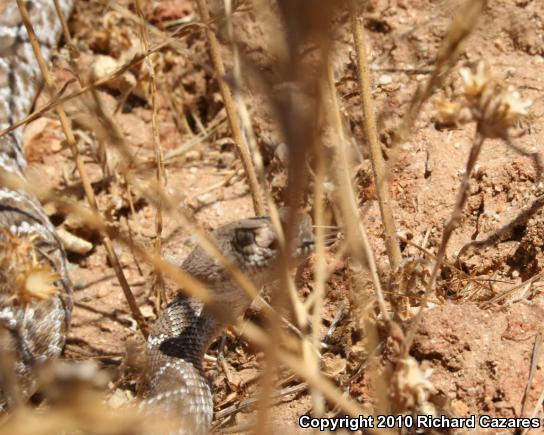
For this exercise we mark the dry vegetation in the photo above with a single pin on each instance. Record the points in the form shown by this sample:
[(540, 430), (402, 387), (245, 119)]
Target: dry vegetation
[(409, 130)]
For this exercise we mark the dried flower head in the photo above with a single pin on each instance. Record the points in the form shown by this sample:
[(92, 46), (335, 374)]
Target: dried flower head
[(447, 112), (24, 274), (511, 106), (411, 387), (484, 99), (476, 82), (498, 110)]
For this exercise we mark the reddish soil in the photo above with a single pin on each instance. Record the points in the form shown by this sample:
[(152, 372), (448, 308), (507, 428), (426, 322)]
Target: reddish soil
[(479, 348)]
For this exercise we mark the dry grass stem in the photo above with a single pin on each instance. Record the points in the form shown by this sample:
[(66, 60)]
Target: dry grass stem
[(244, 116), (357, 238), (313, 354), (347, 202), (158, 283), (89, 193), (378, 165), (247, 161), (505, 231), (537, 410), (535, 357), (65, 28), (458, 32)]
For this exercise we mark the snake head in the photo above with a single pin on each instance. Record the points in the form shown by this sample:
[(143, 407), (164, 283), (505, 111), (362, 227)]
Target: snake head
[(256, 244)]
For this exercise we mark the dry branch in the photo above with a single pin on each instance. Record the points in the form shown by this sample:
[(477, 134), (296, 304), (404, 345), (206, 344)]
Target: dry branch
[(247, 162)]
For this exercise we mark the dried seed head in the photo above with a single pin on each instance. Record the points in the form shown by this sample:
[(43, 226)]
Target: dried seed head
[(484, 99), (451, 113), (39, 283), (476, 82), (511, 106), (411, 388), (498, 110), (24, 274)]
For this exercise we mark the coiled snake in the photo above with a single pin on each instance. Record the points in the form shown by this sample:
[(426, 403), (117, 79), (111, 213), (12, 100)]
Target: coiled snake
[(34, 318), (35, 290)]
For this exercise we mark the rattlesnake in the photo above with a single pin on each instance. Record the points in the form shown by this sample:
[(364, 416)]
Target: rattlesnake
[(33, 330), (36, 328), (185, 328)]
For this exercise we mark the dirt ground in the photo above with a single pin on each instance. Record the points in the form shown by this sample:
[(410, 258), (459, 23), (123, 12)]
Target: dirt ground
[(479, 347)]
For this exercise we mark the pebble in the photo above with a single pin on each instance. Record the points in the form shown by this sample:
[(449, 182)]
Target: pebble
[(385, 79), (218, 209), (193, 155), (147, 311), (241, 188)]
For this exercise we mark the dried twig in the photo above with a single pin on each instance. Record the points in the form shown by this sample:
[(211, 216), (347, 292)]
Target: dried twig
[(506, 231), (535, 357), (536, 409), (247, 162), (459, 30), (506, 293), (452, 46), (295, 389), (456, 215)]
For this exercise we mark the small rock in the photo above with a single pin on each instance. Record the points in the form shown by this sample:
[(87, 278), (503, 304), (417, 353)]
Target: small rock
[(147, 311), (385, 79), (241, 188), (193, 155), (333, 365), (106, 65)]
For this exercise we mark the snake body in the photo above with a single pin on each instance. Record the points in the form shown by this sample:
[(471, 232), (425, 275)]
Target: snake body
[(177, 343), (33, 329)]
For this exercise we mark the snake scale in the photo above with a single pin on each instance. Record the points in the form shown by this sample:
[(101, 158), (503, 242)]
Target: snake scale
[(34, 321), (33, 329)]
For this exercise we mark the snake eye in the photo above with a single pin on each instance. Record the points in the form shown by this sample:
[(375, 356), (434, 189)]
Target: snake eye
[(274, 245), (244, 237)]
